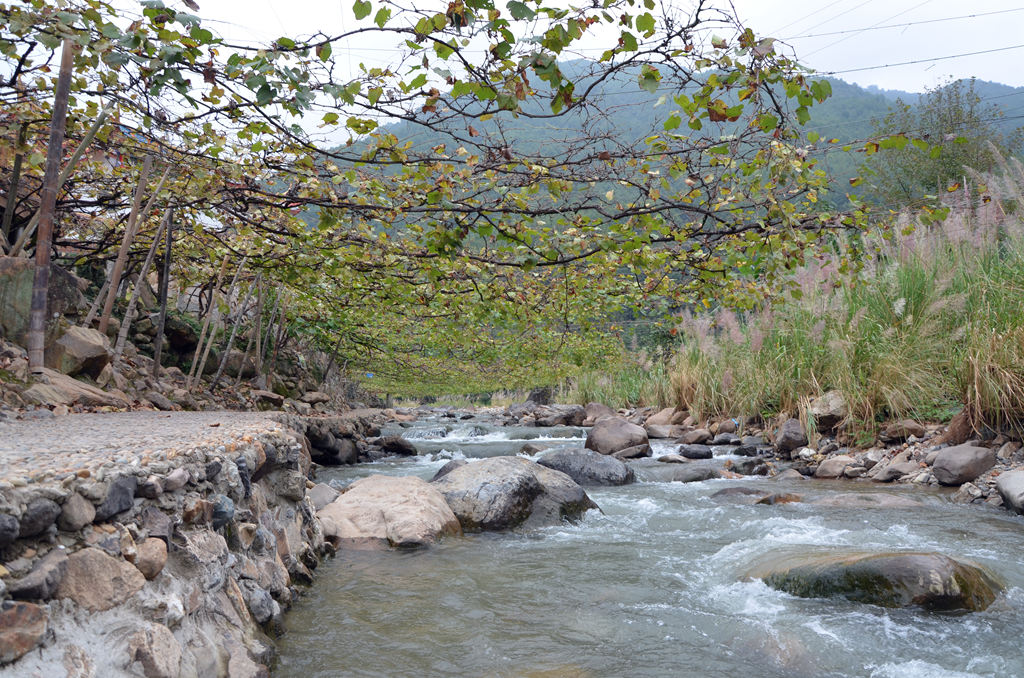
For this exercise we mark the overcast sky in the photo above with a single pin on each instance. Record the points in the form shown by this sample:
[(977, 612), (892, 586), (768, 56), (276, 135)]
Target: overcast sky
[(995, 24)]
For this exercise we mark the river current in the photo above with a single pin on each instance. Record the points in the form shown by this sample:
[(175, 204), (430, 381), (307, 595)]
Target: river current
[(652, 585)]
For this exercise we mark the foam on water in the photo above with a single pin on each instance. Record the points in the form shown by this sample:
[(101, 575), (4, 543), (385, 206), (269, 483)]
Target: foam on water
[(917, 668)]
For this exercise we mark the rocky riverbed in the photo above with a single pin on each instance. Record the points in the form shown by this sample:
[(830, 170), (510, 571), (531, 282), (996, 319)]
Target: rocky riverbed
[(170, 544)]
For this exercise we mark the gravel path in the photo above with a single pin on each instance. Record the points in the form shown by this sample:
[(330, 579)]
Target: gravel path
[(81, 444)]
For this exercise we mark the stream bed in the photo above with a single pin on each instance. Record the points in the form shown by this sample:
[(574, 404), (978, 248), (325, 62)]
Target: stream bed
[(651, 586)]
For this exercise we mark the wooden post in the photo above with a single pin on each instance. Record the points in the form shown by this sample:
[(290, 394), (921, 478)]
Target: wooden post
[(48, 204), (12, 189), (27, 232), (206, 322), (158, 345), (95, 308), (129, 313), (213, 330), (237, 320), (254, 333), (126, 242)]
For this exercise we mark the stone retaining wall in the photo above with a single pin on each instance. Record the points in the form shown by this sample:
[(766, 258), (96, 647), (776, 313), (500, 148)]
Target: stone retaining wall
[(167, 566)]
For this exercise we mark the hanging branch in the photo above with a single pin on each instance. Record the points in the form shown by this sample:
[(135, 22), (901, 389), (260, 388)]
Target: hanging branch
[(129, 314)]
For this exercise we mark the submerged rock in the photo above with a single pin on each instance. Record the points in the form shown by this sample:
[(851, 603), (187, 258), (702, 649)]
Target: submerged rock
[(587, 467), (500, 493), (929, 580), (866, 500)]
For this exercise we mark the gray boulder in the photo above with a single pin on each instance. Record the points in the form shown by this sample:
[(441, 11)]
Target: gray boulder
[(693, 473), (829, 410), (1011, 489), (563, 415), (962, 463), (501, 493), (596, 412), (80, 350), (791, 436), (929, 580), (833, 466), (587, 467), (895, 471), (695, 451), (612, 435)]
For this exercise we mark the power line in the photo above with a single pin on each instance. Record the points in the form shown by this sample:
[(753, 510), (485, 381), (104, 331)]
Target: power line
[(921, 61), (904, 25), (820, 49)]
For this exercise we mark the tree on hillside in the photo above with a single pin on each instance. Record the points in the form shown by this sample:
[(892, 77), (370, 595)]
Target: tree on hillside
[(957, 126)]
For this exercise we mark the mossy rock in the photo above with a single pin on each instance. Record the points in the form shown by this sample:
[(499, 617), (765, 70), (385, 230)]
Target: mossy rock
[(931, 581)]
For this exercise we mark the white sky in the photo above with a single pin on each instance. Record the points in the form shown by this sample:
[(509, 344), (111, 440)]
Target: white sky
[(788, 20)]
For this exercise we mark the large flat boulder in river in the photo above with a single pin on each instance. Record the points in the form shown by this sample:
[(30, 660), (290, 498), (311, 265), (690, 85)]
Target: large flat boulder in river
[(587, 467), (615, 434), (929, 580), (500, 493), (388, 510)]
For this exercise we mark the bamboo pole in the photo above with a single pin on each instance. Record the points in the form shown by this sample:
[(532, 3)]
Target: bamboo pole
[(12, 189), (122, 254), (254, 333), (206, 321), (48, 204), (95, 308), (213, 330), (27, 232), (158, 345), (129, 314), (237, 320)]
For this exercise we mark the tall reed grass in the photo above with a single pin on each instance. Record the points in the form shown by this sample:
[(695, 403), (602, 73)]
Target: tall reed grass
[(933, 321)]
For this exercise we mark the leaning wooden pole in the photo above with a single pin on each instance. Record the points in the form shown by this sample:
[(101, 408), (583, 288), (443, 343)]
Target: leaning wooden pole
[(237, 320), (54, 153), (126, 242), (165, 275), (27, 232), (12, 188), (206, 322), (129, 314)]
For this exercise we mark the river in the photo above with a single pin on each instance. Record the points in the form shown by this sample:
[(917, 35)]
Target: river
[(651, 586)]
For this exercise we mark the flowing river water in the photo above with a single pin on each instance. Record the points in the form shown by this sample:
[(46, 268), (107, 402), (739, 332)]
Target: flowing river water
[(651, 586)]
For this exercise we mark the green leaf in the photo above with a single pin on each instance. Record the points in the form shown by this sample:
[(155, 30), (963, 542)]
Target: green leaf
[(330, 118), (362, 9), (382, 17), (324, 51), (813, 137), (628, 41), (520, 11), (265, 94), (418, 81), (645, 23), (767, 123)]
